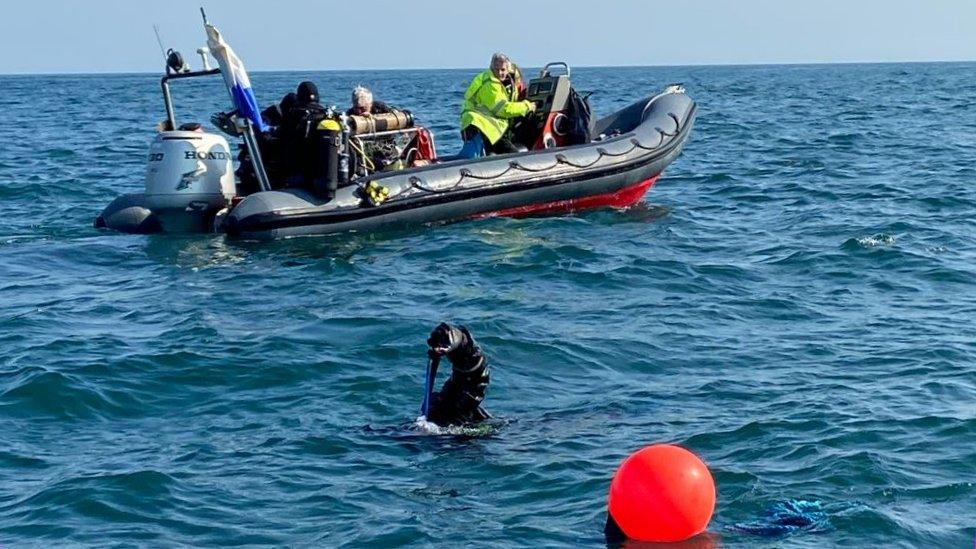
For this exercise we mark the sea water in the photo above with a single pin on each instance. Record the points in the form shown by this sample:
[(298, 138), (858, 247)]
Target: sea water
[(794, 301)]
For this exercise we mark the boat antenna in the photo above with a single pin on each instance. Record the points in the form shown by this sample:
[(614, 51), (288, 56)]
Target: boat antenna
[(159, 41), (204, 50)]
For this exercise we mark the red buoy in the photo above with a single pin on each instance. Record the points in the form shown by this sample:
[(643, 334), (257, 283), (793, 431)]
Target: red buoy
[(662, 493)]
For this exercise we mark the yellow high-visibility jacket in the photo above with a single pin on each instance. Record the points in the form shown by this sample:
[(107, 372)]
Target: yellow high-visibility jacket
[(488, 106)]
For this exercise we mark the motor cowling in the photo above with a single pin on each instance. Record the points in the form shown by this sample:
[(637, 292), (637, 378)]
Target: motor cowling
[(189, 170)]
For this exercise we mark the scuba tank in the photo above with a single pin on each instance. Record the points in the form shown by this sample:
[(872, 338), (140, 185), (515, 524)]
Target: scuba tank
[(327, 163), (382, 122)]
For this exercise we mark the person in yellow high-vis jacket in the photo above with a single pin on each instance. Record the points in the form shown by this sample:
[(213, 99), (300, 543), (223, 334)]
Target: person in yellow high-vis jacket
[(490, 102)]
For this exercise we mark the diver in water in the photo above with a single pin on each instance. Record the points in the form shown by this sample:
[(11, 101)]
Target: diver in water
[(459, 400)]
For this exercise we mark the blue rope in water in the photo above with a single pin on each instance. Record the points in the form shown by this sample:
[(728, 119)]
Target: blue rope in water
[(432, 364), (787, 517)]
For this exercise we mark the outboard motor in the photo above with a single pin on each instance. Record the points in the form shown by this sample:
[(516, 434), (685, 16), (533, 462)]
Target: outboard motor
[(190, 178), (189, 181)]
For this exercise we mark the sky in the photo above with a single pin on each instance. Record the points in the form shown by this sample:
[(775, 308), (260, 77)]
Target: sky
[(97, 36)]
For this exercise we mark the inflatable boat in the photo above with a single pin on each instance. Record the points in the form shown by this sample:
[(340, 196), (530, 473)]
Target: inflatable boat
[(192, 186)]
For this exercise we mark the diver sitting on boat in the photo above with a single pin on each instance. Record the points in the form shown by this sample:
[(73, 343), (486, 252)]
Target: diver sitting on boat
[(298, 135), (274, 115), (363, 103), (380, 153), (459, 400), (271, 145), (288, 147), (490, 103), (314, 147)]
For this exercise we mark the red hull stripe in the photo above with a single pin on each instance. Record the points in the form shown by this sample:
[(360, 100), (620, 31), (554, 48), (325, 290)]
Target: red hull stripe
[(627, 196)]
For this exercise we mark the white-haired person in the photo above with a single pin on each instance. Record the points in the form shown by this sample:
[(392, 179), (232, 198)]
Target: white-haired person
[(363, 103), (490, 104), (381, 152)]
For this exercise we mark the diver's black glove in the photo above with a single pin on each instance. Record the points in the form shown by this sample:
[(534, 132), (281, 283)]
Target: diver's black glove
[(446, 340)]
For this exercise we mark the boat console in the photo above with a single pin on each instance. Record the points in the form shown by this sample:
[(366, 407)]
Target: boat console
[(549, 127), (550, 92)]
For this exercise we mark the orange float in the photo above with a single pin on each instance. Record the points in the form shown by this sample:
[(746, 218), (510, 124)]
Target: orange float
[(662, 493)]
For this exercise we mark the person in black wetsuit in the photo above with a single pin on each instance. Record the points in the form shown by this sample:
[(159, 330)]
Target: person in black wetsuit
[(459, 400), (289, 148), (300, 119)]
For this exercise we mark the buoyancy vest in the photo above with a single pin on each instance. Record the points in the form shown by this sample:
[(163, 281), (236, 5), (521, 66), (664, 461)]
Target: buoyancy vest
[(298, 133), (301, 120)]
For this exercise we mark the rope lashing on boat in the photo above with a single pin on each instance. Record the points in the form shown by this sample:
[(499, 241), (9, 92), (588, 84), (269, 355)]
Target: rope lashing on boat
[(561, 158), (637, 143), (676, 130), (515, 164), (634, 144), (677, 124), (465, 173), (416, 183), (468, 173)]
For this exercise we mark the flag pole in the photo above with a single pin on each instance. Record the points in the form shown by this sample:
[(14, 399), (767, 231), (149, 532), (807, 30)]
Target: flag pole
[(250, 138), (256, 161)]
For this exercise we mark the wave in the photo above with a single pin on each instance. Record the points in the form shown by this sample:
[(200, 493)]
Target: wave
[(881, 240)]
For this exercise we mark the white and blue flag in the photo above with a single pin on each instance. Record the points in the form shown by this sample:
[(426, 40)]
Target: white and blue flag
[(238, 84)]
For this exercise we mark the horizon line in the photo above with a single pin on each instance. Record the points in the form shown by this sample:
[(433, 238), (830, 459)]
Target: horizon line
[(757, 64)]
